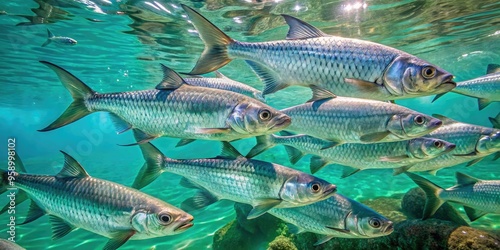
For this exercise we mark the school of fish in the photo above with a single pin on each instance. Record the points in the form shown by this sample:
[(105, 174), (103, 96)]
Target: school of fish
[(351, 120)]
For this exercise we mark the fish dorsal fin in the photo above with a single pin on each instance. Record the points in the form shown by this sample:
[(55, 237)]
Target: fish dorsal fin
[(493, 68), (444, 119), (71, 168), (463, 179), (19, 164), (300, 29), (171, 79), (220, 75), (228, 151), (320, 94)]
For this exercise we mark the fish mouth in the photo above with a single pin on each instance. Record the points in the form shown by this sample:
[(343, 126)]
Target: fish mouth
[(390, 228), (330, 190), (283, 122), (184, 226)]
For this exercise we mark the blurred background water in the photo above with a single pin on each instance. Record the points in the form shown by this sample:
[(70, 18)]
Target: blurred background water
[(121, 44)]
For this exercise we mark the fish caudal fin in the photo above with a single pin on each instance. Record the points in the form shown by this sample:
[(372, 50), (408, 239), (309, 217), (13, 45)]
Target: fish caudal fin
[(495, 121), (49, 38), (216, 42), (152, 168), (264, 142), (78, 90), (432, 191)]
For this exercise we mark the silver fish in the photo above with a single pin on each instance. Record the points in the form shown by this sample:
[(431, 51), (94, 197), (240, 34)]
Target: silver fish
[(73, 199), (354, 120), (478, 197), (485, 88), (337, 216), (225, 83), (474, 143), (58, 39), (399, 155), (346, 67), (260, 184), (174, 109), (9, 245)]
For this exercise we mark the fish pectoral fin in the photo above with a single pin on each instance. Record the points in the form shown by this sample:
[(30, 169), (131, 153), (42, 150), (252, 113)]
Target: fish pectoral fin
[(348, 171), (229, 152), (184, 142), (141, 137), (483, 103), (171, 79), (323, 239), (468, 154), (400, 170), (363, 85), (121, 126), (71, 168), (300, 29), (463, 179), (264, 206), (374, 137), (320, 94), (294, 155), (59, 227), (342, 230), (470, 163), (118, 239), (492, 68), (201, 199), (21, 196), (398, 158), (437, 97), (316, 163), (473, 214), (293, 229), (34, 212), (444, 119), (272, 81), (152, 168), (213, 130)]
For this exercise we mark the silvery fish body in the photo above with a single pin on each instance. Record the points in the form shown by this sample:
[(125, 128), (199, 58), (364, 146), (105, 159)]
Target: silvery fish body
[(73, 199), (337, 216), (344, 66), (473, 143), (486, 88), (173, 109), (478, 197), (252, 182), (225, 83), (354, 120), (399, 155), (59, 39)]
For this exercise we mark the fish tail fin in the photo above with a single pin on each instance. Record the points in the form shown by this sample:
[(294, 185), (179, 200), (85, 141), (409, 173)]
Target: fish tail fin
[(264, 142), (19, 168), (495, 121), (432, 191), (153, 166), (216, 42), (49, 38), (80, 93), (5, 181)]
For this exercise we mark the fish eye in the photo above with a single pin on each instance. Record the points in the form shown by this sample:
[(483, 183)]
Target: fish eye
[(419, 120), (315, 187), (375, 223), (165, 218), (265, 115), (428, 72), (438, 144)]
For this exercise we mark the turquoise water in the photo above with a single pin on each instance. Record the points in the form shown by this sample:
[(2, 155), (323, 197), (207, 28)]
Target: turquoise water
[(121, 44)]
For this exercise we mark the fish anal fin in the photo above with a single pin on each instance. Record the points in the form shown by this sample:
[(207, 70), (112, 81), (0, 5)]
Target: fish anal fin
[(300, 29), (294, 155), (483, 103), (34, 213), (400, 170), (121, 126), (262, 208), (473, 214), (317, 163), (228, 151), (348, 171), (437, 97), (374, 137), (59, 227), (184, 142), (71, 168), (140, 137), (493, 68), (323, 239), (118, 239), (203, 198), (293, 229)]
